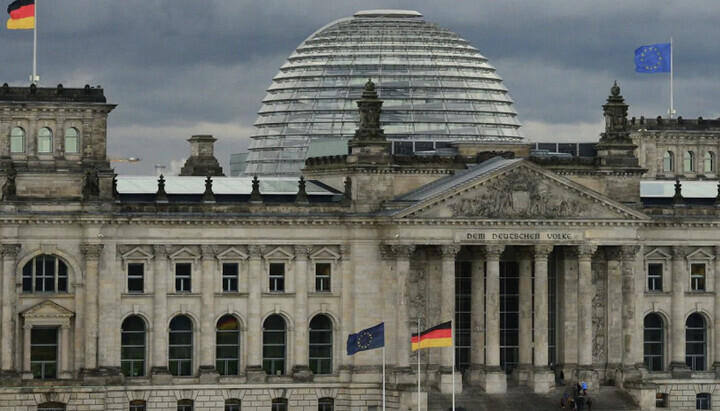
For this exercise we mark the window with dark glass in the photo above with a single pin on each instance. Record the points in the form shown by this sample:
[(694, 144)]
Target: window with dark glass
[(71, 140), (232, 405), (183, 274), (44, 353), (695, 342), (322, 277), (185, 405), (274, 345), (703, 401), (45, 273), (181, 346), (668, 161), (661, 400), (279, 404), (227, 346), (135, 277), (277, 276), (321, 345), (326, 404), (137, 405), (653, 346), (44, 140), (132, 347), (697, 277), (51, 406), (230, 277), (654, 276), (17, 140)]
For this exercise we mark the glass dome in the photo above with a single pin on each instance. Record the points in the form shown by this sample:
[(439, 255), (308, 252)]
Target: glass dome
[(436, 89)]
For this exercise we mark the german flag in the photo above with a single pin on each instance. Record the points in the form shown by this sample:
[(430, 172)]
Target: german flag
[(22, 15), (437, 336)]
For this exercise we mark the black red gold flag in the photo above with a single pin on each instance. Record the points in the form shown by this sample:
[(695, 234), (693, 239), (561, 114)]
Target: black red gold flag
[(437, 336), (22, 15)]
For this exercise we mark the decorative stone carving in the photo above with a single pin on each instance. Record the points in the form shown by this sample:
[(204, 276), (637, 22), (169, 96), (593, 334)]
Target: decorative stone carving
[(386, 253), (255, 196), (301, 197), (612, 253), (402, 251), (542, 250), (585, 250), (521, 194), (91, 251), (9, 189), (680, 252), (599, 327), (449, 250), (208, 251), (345, 252), (161, 251), (91, 184), (629, 252), (10, 250), (494, 250), (302, 251), (256, 251), (161, 195)]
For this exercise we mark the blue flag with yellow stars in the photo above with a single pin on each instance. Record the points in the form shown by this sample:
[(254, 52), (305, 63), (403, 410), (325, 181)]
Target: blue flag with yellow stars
[(654, 58), (367, 339)]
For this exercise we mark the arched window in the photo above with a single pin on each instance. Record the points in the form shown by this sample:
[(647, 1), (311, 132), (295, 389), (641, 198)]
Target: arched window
[(71, 140), (326, 404), (185, 405), (17, 140), (137, 405), (653, 342), (45, 273), (227, 344), (689, 162), (279, 404), (181, 346), (132, 347), (232, 405), (44, 140), (695, 342), (709, 162), (321, 344), (668, 161), (274, 340), (51, 406)]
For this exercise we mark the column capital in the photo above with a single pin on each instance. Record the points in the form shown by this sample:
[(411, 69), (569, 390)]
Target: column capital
[(302, 251), (91, 251), (586, 250), (542, 250), (402, 251), (494, 250), (449, 250), (628, 252), (679, 252), (208, 252), (256, 250), (345, 252), (27, 327), (10, 250), (161, 251)]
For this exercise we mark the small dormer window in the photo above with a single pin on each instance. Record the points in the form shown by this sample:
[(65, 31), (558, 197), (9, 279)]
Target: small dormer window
[(71, 140), (17, 140), (45, 136)]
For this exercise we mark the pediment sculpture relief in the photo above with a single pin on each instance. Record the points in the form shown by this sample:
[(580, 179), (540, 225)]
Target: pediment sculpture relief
[(521, 194)]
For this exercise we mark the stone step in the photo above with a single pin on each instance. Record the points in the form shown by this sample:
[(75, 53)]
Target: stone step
[(522, 398)]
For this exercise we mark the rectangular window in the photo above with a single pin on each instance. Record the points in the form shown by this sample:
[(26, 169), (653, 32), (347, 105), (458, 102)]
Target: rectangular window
[(43, 352), (697, 277), (135, 274), (322, 277), (182, 277), (654, 276), (661, 400), (277, 277), (230, 277), (703, 401)]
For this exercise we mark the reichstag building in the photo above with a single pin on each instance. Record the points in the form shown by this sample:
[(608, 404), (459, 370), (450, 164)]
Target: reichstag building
[(201, 291)]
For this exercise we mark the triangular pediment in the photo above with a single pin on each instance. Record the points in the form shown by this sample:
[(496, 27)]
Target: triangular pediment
[(184, 254), (514, 190), (657, 254), (278, 254), (47, 309), (700, 254), (137, 253), (325, 254), (232, 253)]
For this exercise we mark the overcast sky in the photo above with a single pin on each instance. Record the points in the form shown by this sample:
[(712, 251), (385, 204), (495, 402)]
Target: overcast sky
[(182, 67)]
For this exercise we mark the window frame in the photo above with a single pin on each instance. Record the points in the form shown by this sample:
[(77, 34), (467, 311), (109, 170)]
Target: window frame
[(60, 281), (185, 405), (183, 282), (323, 283), (233, 404), (227, 280), (33, 344), (703, 401), (123, 347), (277, 282), (689, 162), (272, 368), (326, 404), (179, 361), (67, 137), (237, 345), (22, 137), (659, 331), (138, 405), (42, 139), (318, 363), (654, 282), (668, 161), (709, 162), (691, 360), (279, 404), (699, 283), (136, 277)]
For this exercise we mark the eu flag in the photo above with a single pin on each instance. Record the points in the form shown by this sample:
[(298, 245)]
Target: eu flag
[(367, 339), (654, 58)]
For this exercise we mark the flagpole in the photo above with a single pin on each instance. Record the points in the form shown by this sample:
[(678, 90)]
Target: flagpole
[(418, 358), (452, 368), (672, 109), (383, 377), (33, 80)]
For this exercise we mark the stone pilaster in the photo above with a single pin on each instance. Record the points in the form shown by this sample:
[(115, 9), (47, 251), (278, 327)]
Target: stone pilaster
[(543, 379), (631, 357), (91, 253), (447, 313), (586, 293), (254, 335), (207, 282), (160, 371), (347, 298), (522, 372), (494, 380), (9, 298), (402, 253), (301, 369), (680, 276), (568, 326), (477, 315), (614, 309), (65, 371), (27, 338)]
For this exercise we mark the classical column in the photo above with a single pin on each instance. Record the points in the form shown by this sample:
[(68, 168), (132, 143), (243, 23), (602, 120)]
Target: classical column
[(543, 379), (525, 318), (447, 313), (402, 253), (91, 253), (614, 307), (586, 293), (207, 312), (254, 333), (680, 276), (27, 338), (301, 369), (9, 253), (160, 323), (631, 356), (494, 379), (477, 310), (65, 346), (568, 300)]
